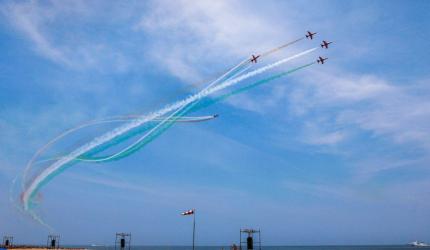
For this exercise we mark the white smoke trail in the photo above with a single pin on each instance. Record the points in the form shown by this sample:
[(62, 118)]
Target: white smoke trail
[(166, 119), (56, 166), (240, 72), (41, 150)]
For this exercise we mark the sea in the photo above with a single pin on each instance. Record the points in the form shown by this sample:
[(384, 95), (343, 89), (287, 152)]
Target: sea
[(337, 247)]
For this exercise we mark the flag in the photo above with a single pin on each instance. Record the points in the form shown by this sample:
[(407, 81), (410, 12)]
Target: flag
[(189, 212)]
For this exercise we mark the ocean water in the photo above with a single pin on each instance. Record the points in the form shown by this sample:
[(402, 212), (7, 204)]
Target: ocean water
[(376, 247)]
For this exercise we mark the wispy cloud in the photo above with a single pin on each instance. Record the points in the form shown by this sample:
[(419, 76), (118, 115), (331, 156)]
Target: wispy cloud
[(369, 103), (190, 36), (49, 26), (29, 17), (314, 135)]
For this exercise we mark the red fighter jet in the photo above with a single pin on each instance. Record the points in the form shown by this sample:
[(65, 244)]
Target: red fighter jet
[(310, 35), (325, 44), (321, 60), (254, 58)]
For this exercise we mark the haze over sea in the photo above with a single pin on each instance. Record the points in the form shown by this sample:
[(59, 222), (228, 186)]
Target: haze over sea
[(361, 247)]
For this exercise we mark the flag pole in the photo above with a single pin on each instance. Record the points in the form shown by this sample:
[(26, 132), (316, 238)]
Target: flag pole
[(194, 225)]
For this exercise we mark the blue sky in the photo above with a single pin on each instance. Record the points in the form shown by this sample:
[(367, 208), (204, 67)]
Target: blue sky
[(329, 155)]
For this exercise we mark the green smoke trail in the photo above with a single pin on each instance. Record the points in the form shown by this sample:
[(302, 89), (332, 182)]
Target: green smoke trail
[(90, 156), (209, 102), (191, 108), (163, 128)]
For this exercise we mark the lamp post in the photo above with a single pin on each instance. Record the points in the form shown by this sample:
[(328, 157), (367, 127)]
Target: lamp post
[(192, 212)]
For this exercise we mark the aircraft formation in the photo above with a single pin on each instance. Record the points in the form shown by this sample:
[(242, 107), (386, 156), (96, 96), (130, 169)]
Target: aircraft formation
[(309, 35)]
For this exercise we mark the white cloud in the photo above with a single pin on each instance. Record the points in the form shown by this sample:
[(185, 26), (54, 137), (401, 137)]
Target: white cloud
[(189, 36), (334, 89), (330, 138), (401, 116), (362, 102), (49, 27), (28, 17)]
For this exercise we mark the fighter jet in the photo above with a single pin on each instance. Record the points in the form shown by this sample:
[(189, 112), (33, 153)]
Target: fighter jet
[(321, 60), (310, 35), (254, 58), (325, 44)]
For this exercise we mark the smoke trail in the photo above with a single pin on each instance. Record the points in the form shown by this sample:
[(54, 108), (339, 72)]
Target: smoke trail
[(253, 73), (266, 53), (56, 168), (248, 87), (240, 72), (147, 138), (205, 104), (231, 71), (165, 121), (197, 107), (183, 119), (141, 120), (141, 141), (234, 74), (281, 47)]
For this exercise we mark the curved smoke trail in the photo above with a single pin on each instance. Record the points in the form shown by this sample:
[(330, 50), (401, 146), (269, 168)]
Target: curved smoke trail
[(183, 119), (60, 165), (153, 117), (203, 105)]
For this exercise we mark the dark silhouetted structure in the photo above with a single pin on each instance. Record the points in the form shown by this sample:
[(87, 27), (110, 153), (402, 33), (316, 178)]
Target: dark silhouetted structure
[(122, 241), (53, 241), (7, 241), (249, 233)]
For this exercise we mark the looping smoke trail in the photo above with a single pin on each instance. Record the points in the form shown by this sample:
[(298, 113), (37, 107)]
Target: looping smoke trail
[(210, 102), (140, 120), (162, 123), (63, 163), (230, 71), (183, 119), (26, 196)]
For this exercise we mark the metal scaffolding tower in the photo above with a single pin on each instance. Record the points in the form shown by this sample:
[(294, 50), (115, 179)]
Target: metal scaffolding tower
[(250, 238), (53, 241), (7, 241), (122, 241)]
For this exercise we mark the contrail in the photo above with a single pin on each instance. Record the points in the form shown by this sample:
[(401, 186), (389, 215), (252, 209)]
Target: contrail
[(150, 137), (254, 72), (41, 150), (63, 163), (163, 122), (263, 54), (199, 106), (141, 139), (247, 87)]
